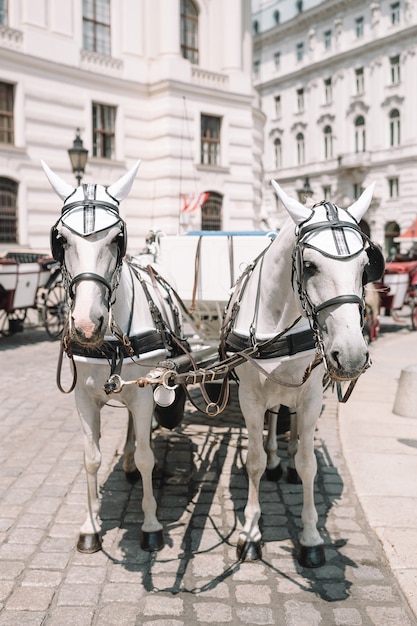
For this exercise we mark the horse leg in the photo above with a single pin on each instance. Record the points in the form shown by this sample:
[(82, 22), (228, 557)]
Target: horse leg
[(129, 466), (311, 543), (89, 540), (292, 476), (152, 538), (273, 462), (249, 545)]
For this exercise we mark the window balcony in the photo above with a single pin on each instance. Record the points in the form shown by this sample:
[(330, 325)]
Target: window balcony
[(354, 161)]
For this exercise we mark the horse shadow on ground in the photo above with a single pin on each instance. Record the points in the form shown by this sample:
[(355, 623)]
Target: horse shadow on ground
[(202, 515)]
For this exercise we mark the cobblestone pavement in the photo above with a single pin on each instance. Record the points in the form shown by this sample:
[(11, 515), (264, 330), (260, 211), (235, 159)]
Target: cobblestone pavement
[(201, 493)]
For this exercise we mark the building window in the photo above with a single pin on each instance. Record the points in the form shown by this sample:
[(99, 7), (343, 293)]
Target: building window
[(300, 148), (327, 192), (255, 27), (328, 142), (211, 212), (6, 113), (328, 91), (299, 5), (277, 60), (327, 39), (8, 210), (189, 31), (395, 69), (357, 190), (300, 51), (360, 135), (210, 140), (278, 109), (300, 100), (3, 12), (359, 23), (359, 81), (278, 153), (394, 128), (393, 186), (256, 66), (104, 118), (395, 13), (277, 17), (96, 26)]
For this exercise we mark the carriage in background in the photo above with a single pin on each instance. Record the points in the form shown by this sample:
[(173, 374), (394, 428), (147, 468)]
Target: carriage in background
[(31, 280), (398, 288)]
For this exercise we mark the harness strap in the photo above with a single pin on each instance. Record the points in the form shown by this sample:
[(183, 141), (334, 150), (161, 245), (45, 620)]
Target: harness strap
[(344, 299)]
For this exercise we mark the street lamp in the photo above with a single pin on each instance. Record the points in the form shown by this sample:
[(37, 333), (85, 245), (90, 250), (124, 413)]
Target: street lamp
[(306, 192), (78, 156)]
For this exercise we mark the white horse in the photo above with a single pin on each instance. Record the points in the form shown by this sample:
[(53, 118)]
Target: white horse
[(120, 318), (301, 305)]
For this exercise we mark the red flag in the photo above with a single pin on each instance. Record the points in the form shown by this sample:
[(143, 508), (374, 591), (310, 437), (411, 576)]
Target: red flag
[(193, 201)]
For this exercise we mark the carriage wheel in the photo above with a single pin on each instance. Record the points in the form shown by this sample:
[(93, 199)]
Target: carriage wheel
[(12, 322), (413, 306), (56, 310)]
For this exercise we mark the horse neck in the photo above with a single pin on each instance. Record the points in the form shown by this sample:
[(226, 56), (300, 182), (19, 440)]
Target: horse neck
[(278, 307)]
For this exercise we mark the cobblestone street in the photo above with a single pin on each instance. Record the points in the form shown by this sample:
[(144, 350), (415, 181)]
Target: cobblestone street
[(201, 488)]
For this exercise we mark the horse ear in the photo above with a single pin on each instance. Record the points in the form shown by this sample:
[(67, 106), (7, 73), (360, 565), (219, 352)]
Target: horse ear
[(359, 208), (121, 188), (60, 187), (298, 212)]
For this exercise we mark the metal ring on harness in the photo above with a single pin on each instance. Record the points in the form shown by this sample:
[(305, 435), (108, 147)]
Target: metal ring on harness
[(210, 411), (165, 380)]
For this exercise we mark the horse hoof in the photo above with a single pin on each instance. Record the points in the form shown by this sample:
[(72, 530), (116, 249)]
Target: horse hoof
[(311, 556), (132, 477), (89, 543), (152, 541), (293, 477), (274, 474), (249, 550)]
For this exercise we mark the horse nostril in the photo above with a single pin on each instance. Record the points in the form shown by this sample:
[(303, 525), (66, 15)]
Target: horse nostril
[(100, 324), (335, 357)]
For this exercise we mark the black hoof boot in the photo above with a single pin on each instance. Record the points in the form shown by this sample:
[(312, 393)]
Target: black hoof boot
[(132, 477), (89, 543), (311, 556), (249, 550), (274, 474), (293, 477), (152, 541)]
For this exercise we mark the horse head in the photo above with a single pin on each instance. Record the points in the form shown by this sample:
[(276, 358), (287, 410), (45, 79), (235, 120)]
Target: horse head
[(89, 240), (332, 261)]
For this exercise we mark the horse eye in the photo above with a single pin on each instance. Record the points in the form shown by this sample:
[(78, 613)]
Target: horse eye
[(62, 240), (309, 268)]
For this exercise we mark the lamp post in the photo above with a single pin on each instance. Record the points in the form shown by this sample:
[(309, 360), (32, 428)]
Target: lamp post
[(78, 156), (306, 192)]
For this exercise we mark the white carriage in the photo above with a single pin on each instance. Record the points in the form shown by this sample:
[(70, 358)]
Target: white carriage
[(30, 280), (204, 266)]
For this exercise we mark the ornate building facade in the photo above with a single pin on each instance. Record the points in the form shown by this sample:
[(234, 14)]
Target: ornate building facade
[(166, 81), (337, 82)]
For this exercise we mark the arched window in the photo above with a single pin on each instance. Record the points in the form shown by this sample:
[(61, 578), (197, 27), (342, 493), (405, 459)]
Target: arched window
[(360, 135), (277, 17), (278, 153), (394, 128), (211, 212), (300, 148), (8, 210), (328, 142), (189, 31)]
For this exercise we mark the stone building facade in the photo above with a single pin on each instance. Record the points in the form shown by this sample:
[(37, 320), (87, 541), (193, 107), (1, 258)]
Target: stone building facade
[(338, 85), (166, 81)]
